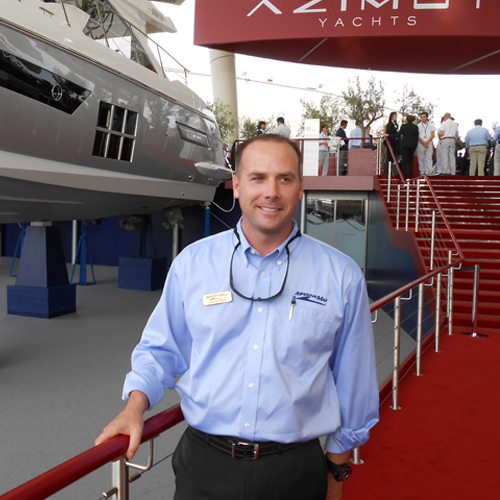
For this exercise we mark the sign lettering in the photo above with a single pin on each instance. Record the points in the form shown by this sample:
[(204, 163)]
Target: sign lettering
[(306, 8)]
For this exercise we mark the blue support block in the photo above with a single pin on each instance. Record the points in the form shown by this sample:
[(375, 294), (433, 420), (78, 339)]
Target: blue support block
[(142, 273), (42, 289), (41, 302)]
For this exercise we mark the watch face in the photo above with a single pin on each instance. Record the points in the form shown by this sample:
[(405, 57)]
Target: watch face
[(343, 472), (340, 472)]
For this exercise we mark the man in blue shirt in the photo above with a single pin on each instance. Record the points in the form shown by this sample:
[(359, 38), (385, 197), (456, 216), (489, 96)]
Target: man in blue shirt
[(356, 135), (266, 335), (477, 141)]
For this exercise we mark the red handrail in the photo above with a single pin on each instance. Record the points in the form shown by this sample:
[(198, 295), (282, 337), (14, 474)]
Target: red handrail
[(68, 472), (389, 147)]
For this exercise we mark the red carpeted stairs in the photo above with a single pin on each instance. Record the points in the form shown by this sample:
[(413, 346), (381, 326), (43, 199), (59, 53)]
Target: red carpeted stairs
[(471, 206)]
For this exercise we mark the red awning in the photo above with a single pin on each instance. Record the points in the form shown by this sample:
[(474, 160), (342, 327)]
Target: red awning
[(424, 36)]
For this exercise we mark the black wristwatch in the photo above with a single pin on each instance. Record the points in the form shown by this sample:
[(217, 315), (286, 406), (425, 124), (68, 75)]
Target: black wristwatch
[(340, 472)]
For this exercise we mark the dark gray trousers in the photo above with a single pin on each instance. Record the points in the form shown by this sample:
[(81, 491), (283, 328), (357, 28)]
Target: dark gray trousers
[(206, 473)]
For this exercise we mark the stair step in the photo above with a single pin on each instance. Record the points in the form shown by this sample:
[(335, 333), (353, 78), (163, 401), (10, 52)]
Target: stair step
[(461, 283), (486, 296), (471, 254), (483, 320), (488, 309)]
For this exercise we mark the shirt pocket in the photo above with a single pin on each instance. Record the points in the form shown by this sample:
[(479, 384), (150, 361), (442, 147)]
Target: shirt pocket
[(307, 338)]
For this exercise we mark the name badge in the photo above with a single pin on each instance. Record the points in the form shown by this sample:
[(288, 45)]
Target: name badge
[(212, 299)]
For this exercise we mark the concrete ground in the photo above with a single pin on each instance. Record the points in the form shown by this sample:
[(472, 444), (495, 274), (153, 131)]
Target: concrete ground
[(60, 384)]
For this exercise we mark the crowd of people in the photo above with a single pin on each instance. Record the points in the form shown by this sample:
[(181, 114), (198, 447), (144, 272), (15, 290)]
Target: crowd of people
[(439, 150), (446, 157)]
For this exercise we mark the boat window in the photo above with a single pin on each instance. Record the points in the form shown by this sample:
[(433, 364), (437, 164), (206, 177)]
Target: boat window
[(115, 133)]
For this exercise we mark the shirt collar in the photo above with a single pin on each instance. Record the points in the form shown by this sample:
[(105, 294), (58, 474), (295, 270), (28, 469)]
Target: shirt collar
[(245, 246)]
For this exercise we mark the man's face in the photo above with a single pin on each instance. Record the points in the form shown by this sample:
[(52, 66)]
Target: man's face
[(325, 129), (268, 188), (423, 118)]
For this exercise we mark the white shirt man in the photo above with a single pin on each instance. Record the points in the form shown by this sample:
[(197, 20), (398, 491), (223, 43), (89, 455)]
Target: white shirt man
[(447, 133), (324, 153), (281, 129), (426, 133)]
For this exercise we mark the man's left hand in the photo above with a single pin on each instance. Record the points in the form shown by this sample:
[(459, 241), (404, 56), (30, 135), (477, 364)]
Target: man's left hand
[(334, 491), (334, 488)]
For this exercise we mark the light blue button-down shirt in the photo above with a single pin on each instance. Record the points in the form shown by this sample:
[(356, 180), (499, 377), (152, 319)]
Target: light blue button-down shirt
[(258, 369), (478, 136), (496, 137), (355, 142)]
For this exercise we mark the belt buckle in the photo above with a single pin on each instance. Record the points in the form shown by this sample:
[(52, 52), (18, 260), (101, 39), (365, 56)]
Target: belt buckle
[(242, 443)]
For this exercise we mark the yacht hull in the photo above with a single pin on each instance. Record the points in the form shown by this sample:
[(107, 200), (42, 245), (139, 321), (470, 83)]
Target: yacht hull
[(83, 139)]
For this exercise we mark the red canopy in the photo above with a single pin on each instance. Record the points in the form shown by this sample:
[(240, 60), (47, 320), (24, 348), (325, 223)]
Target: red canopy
[(424, 36)]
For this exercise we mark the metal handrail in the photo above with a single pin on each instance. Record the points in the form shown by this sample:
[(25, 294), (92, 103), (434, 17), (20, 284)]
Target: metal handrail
[(63, 475)]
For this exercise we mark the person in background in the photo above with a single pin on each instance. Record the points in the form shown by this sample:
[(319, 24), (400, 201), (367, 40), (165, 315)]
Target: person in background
[(393, 137), (409, 141), (324, 152), (447, 134), (281, 129), (426, 133), (344, 148), (261, 128), (477, 141), (496, 157), (368, 141), (356, 134)]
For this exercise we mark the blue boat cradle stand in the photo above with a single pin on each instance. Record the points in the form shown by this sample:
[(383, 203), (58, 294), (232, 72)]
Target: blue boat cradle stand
[(42, 289), (145, 271)]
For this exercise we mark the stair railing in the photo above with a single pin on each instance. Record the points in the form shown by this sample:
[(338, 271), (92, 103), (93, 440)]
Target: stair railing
[(427, 221)]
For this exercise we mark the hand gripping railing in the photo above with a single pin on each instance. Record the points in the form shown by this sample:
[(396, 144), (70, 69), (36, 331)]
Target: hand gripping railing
[(60, 477)]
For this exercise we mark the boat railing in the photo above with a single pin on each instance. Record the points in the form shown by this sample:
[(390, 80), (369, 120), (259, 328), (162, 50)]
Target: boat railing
[(102, 29), (425, 321)]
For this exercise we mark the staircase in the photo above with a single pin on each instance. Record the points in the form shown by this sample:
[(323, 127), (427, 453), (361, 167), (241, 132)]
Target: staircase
[(471, 206)]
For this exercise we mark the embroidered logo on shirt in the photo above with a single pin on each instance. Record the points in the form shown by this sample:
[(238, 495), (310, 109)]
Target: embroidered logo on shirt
[(311, 297)]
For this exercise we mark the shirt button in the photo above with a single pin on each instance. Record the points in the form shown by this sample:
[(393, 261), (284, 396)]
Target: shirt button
[(252, 252), (279, 262), (251, 386), (260, 309), (262, 273), (247, 425), (256, 347)]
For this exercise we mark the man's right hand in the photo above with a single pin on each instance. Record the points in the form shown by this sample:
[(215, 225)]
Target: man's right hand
[(128, 422)]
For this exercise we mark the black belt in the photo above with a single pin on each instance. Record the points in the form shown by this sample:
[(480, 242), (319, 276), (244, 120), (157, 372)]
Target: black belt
[(249, 450)]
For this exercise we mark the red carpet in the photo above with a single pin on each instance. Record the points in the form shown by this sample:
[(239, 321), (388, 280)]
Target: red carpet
[(445, 441)]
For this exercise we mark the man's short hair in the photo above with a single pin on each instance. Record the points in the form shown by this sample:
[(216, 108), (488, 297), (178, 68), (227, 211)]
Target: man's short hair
[(280, 120), (410, 118), (343, 122), (323, 125), (478, 122), (424, 113), (277, 139)]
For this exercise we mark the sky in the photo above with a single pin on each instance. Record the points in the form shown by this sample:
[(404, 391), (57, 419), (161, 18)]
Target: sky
[(465, 97)]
